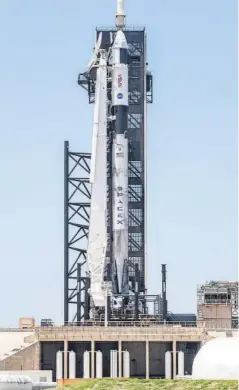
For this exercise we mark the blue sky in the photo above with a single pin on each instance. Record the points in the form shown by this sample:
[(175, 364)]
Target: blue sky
[(192, 143)]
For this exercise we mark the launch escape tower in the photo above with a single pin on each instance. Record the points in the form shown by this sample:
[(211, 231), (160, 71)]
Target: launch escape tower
[(77, 300)]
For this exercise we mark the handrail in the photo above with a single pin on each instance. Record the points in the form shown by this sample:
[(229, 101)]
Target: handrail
[(134, 330), (131, 326), (119, 330), (30, 330), (144, 323)]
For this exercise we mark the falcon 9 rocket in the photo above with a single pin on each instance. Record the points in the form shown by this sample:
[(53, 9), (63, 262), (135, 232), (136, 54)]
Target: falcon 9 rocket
[(114, 63), (120, 159)]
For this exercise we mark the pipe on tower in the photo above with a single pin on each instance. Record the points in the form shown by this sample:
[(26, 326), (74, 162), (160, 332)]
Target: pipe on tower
[(120, 15), (164, 293)]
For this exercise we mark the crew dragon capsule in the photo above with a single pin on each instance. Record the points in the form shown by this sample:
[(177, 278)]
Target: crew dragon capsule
[(120, 103)]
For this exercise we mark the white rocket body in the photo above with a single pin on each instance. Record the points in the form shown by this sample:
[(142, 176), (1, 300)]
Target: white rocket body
[(120, 160), (97, 241)]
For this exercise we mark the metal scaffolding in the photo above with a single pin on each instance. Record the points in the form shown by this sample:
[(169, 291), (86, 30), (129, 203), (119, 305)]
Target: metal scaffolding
[(76, 226), (77, 281), (218, 294)]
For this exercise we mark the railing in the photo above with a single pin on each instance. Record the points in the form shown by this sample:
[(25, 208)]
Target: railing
[(183, 327), (29, 330), (109, 332), (133, 324), (128, 28), (217, 301)]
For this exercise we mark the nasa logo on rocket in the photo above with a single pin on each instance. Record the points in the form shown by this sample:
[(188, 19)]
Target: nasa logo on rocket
[(120, 85)]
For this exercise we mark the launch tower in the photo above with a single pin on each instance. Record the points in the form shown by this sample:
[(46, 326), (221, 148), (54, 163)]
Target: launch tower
[(106, 233)]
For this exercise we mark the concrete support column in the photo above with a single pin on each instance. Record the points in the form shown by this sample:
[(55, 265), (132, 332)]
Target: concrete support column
[(147, 359), (37, 358), (120, 358), (174, 359), (92, 359), (65, 375)]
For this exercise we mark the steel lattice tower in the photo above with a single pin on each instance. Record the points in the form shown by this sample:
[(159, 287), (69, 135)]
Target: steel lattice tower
[(140, 93)]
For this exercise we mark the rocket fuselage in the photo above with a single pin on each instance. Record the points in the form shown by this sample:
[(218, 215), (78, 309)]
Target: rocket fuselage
[(97, 237), (120, 82)]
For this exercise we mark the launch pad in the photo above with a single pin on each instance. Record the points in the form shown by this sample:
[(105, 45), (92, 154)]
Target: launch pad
[(106, 264), (112, 326)]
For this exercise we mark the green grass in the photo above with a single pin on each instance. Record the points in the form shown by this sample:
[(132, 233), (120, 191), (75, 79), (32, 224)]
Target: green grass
[(143, 384)]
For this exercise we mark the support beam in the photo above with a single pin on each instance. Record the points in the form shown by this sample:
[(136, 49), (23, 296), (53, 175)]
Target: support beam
[(79, 281), (147, 359), (92, 358), (65, 375), (87, 299), (66, 232), (109, 278), (120, 358), (174, 359), (164, 293), (137, 282)]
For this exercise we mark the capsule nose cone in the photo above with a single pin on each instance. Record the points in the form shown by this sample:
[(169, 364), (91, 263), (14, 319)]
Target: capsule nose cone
[(120, 41)]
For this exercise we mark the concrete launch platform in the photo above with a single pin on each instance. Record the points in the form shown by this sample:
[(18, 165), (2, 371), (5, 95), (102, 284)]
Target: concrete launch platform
[(146, 345), (121, 333)]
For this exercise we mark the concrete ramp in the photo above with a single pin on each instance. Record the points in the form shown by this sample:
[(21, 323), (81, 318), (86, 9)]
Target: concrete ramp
[(12, 342)]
